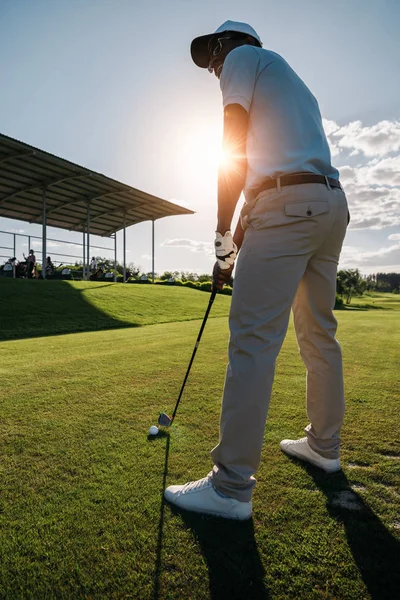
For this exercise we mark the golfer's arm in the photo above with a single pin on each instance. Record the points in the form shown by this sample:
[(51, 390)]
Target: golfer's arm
[(238, 235), (232, 175)]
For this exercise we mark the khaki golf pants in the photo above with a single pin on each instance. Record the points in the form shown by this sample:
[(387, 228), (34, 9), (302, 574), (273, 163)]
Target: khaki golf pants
[(288, 260)]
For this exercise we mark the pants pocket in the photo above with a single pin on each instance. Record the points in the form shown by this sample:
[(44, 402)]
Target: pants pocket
[(306, 210), (286, 215)]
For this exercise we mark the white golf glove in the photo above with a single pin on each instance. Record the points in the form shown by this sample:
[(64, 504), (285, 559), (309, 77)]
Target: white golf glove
[(225, 250)]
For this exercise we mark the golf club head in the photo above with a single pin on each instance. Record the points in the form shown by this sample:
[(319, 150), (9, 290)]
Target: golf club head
[(164, 420)]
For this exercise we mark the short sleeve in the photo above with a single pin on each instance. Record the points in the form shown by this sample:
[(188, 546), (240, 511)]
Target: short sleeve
[(238, 76)]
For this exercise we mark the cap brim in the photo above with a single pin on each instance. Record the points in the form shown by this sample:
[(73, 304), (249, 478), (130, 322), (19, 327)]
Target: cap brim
[(199, 47), (199, 50)]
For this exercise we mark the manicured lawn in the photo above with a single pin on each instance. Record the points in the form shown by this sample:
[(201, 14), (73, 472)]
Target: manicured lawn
[(81, 511), (31, 308), (376, 300)]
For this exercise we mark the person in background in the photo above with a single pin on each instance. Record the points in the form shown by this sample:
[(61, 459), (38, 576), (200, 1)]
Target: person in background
[(49, 267), (93, 265), (30, 264)]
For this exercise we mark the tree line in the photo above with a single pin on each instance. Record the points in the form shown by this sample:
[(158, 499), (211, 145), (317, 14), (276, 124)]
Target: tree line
[(350, 282)]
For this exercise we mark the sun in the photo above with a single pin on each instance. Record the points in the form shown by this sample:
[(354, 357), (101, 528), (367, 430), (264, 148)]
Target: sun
[(224, 158), (209, 155), (217, 157), (202, 150)]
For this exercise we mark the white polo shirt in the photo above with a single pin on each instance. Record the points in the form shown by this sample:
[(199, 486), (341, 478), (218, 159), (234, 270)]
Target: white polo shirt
[(285, 132)]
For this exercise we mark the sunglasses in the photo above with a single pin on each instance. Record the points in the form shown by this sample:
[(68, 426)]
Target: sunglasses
[(217, 49)]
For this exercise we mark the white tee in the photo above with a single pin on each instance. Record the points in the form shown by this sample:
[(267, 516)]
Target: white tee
[(285, 133)]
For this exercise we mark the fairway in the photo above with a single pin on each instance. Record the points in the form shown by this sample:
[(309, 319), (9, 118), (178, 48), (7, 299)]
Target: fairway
[(30, 308), (81, 511)]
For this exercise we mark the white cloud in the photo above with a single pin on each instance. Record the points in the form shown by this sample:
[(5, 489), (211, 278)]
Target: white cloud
[(378, 140), (382, 252), (373, 207), (372, 186), (348, 255), (330, 126), (382, 172), (352, 255), (394, 236), (334, 148), (373, 192), (347, 174), (192, 245)]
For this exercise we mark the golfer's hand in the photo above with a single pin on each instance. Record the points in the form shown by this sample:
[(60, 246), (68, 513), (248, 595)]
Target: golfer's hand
[(225, 250), (221, 277)]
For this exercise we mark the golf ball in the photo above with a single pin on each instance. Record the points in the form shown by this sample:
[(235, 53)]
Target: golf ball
[(153, 430)]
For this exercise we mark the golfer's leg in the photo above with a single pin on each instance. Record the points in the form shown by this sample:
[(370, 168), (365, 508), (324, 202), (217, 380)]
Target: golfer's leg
[(316, 327), (264, 290)]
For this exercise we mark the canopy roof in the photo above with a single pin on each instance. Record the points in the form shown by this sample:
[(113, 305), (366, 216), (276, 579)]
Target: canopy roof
[(25, 172)]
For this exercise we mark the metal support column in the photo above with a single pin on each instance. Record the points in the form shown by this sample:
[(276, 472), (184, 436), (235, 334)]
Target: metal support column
[(44, 234), (29, 243), (88, 242), (115, 256), (14, 245), (84, 256), (14, 256), (152, 250), (124, 247)]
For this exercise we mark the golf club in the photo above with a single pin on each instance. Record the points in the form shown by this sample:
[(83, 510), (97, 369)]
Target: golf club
[(164, 420)]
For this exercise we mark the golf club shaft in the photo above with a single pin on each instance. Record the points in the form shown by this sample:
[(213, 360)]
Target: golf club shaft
[(210, 303)]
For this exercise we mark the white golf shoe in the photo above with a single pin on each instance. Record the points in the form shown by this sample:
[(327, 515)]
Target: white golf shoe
[(300, 449), (201, 497)]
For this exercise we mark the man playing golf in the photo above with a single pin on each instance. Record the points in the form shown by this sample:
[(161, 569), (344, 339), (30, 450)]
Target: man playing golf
[(290, 235)]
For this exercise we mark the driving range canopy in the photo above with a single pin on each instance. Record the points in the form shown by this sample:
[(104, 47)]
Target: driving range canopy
[(38, 187)]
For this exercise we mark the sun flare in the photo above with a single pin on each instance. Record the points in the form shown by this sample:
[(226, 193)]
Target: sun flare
[(203, 150), (224, 158), (203, 155)]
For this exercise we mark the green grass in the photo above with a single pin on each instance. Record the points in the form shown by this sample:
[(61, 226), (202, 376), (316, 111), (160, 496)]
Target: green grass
[(375, 300), (30, 308), (81, 511)]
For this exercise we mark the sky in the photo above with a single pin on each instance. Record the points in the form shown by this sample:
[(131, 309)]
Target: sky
[(110, 85)]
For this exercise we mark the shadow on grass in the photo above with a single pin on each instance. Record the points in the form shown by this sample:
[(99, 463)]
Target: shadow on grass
[(361, 307), (349, 308), (229, 549), (364, 307), (158, 566), (375, 550), (37, 308)]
